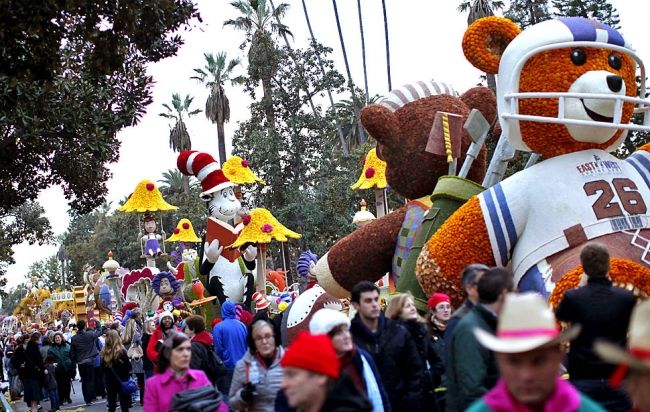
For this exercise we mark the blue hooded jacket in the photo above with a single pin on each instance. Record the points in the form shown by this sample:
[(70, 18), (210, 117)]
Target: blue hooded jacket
[(229, 336)]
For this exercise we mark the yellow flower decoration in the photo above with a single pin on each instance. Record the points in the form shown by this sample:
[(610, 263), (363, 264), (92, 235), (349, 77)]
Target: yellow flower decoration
[(373, 174), (146, 198), (260, 226), (184, 232), (237, 171), (485, 40)]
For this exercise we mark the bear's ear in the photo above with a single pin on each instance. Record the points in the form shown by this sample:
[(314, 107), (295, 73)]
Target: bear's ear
[(381, 123), (486, 39)]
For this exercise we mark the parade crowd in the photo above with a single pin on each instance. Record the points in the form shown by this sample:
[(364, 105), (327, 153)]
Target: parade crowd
[(499, 351)]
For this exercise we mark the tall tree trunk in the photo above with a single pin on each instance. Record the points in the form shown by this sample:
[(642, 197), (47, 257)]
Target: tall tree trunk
[(339, 130), (186, 184), (363, 50), (221, 139), (390, 83), (362, 135), (267, 100)]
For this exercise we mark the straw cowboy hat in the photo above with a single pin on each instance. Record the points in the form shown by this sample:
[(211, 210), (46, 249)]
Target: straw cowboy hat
[(638, 356), (525, 323)]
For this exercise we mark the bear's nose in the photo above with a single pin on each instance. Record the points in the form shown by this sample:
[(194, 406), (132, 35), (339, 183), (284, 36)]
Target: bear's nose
[(614, 83)]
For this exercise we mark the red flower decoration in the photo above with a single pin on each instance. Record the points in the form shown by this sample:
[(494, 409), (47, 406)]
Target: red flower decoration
[(267, 228), (150, 187), (244, 163), (370, 172), (246, 219), (186, 225), (177, 231)]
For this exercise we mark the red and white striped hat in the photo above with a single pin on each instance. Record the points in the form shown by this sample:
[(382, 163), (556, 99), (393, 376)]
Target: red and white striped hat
[(205, 168)]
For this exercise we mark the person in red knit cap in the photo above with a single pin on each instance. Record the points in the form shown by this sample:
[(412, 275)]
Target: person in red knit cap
[(439, 314), (312, 379)]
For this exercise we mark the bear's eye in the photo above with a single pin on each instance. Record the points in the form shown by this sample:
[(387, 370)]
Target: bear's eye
[(614, 61), (578, 57)]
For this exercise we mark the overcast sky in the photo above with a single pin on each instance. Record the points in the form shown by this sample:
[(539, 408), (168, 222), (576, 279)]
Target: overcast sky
[(425, 39)]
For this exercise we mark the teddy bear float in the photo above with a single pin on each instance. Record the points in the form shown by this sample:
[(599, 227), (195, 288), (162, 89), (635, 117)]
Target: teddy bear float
[(404, 125), (567, 91)]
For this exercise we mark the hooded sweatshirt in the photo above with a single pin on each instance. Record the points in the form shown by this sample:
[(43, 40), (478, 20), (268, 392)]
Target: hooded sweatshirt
[(229, 337)]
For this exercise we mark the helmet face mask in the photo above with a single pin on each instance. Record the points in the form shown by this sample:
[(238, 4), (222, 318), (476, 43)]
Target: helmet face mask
[(594, 108)]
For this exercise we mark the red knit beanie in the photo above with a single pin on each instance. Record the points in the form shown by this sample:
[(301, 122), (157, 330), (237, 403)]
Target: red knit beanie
[(437, 298), (314, 353)]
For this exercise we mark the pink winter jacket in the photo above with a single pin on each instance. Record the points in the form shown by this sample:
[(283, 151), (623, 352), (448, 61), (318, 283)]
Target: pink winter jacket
[(160, 389)]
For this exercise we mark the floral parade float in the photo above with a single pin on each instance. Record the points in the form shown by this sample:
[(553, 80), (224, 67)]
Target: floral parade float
[(567, 92), (408, 127), (227, 273)]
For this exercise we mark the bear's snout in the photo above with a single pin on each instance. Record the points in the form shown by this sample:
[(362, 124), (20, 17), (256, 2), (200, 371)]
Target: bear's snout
[(614, 83)]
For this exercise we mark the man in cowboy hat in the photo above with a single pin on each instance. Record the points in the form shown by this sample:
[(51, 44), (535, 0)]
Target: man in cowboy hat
[(527, 350), (634, 364)]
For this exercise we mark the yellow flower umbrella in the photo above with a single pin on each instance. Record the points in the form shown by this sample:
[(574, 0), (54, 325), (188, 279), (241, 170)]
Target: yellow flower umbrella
[(373, 175), (237, 171), (146, 198), (261, 227), (184, 232)]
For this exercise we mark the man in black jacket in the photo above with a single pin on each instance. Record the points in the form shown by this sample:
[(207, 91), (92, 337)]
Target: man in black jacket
[(391, 347), (604, 312), (204, 356), (83, 350)]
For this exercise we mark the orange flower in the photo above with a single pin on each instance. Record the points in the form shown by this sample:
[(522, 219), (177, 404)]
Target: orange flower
[(485, 40)]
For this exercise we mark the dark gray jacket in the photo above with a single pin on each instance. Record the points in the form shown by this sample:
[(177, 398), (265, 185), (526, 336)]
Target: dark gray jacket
[(83, 347)]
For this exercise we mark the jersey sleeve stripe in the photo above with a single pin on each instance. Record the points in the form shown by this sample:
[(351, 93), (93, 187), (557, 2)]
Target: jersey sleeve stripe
[(494, 221), (507, 217), (640, 162)]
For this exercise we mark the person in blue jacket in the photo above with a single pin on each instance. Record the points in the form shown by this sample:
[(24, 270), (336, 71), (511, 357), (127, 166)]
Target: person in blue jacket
[(229, 337)]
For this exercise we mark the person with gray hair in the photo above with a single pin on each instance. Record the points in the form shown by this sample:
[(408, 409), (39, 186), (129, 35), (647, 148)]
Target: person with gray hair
[(258, 374)]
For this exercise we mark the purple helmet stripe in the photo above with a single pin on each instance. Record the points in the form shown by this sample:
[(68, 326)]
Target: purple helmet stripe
[(585, 30)]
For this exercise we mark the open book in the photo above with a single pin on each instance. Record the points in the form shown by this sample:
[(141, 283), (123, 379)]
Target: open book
[(226, 235)]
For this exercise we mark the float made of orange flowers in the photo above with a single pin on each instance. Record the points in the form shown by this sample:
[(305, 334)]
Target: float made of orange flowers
[(237, 170), (260, 226), (373, 175), (146, 198), (623, 273), (485, 40)]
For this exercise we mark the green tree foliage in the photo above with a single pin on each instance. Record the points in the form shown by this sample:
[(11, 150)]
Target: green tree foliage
[(72, 75), (600, 10), (528, 12), (48, 270), (12, 298), (24, 223), (308, 179)]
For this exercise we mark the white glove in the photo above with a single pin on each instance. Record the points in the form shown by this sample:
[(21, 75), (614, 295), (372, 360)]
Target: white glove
[(250, 253), (171, 268), (212, 251)]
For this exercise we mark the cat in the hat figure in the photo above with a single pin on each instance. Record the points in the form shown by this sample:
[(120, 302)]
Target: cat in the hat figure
[(229, 276)]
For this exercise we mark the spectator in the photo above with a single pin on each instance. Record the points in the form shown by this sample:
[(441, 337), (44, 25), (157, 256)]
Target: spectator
[(311, 370), (50, 383), (356, 363), (132, 341), (116, 368), (46, 344), (65, 369), (527, 347), (100, 387), (472, 369), (257, 376), (174, 375), (391, 346), (229, 338), (469, 280), (203, 354), (634, 364), (604, 313), (160, 334), (402, 310), (27, 359), (439, 305), (147, 365), (83, 352)]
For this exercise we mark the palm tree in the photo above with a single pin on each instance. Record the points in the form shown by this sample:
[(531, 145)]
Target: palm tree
[(477, 10), (348, 111), (347, 64), (179, 138), (172, 182), (216, 72), (383, 7), (363, 50), (259, 22)]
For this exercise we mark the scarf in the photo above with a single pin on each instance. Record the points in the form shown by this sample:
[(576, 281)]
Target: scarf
[(564, 398), (372, 388)]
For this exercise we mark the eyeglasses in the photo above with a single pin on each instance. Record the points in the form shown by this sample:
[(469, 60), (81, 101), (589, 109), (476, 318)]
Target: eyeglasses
[(264, 338)]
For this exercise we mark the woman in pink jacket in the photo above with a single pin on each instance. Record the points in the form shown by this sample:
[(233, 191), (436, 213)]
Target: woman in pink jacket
[(174, 375)]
